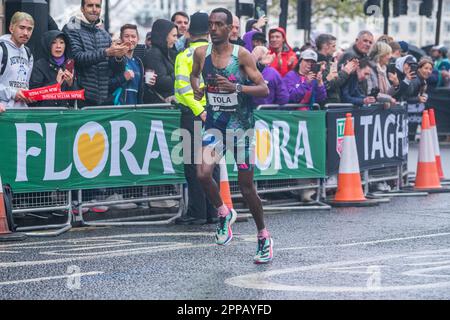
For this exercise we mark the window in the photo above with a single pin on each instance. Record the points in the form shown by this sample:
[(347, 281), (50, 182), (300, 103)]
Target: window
[(447, 43), (412, 27), (395, 27), (430, 27), (413, 7), (346, 27), (447, 7), (329, 28), (447, 27)]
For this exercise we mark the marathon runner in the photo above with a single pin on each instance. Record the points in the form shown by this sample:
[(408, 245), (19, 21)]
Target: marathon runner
[(227, 71)]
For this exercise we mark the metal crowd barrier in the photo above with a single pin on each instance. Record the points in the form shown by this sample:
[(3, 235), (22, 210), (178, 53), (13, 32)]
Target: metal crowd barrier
[(131, 194), (34, 204), (287, 185), (31, 204)]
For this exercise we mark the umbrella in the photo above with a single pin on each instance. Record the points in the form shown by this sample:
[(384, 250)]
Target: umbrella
[(416, 52)]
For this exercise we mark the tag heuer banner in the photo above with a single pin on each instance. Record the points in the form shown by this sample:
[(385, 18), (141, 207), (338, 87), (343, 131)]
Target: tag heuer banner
[(381, 136), (88, 149)]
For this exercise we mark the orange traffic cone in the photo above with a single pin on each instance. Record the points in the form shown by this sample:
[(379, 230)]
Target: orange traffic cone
[(349, 179), (225, 192), (437, 151), (427, 176)]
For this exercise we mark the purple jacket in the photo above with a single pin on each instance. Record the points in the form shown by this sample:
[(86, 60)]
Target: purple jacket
[(248, 40), (300, 91), (278, 93)]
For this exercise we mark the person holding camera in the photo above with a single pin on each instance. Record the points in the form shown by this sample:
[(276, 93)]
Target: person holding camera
[(380, 56), (333, 78), (305, 83), (417, 96), (356, 89), (56, 67), (405, 72)]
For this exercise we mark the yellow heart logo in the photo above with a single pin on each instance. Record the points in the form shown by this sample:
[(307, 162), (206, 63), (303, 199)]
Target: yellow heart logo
[(90, 150), (263, 145)]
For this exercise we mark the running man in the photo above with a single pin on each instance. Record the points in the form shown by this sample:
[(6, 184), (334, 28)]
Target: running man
[(227, 70)]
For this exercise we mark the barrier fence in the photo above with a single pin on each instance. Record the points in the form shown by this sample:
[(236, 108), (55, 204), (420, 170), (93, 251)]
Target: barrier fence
[(53, 155)]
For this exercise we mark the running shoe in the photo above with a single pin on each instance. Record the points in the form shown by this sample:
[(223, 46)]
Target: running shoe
[(224, 234), (264, 251)]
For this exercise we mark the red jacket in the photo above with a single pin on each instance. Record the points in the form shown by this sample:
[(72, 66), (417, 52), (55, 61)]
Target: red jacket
[(288, 59)]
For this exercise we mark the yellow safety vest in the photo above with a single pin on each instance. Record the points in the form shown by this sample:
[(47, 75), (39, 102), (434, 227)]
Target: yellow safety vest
[(183, 90)]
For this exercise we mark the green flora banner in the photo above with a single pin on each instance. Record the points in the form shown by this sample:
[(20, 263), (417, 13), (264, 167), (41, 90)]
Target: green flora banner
[(70, 150), (289, 145)]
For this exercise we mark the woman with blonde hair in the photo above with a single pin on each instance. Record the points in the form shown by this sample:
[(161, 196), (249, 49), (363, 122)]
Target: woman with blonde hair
[(379, 80)]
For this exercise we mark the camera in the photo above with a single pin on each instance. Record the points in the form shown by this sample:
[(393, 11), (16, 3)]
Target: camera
[(374, 92), (315, 68), (414, 66), (391, 67)]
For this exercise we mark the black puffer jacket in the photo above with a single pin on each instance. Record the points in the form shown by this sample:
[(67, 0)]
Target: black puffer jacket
[(89, 43), (161, 59), (45, 70)]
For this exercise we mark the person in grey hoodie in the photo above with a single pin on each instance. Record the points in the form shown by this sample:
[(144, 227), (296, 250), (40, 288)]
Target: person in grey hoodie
[(16, 62)]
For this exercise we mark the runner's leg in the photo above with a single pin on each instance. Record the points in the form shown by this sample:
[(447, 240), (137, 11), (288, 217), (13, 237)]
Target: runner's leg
[(205, 175), (251, 197)]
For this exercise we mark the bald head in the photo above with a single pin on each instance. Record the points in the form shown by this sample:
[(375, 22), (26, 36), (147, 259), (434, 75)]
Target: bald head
[(236, 28)]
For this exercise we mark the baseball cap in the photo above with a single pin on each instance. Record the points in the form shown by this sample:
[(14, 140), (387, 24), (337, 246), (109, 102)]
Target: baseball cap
[(309, 54), (199, 23), (442, 49)]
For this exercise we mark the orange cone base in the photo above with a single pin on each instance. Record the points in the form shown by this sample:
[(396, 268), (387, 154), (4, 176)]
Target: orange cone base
[(426, 177), (349, 188), (225, 194), (439, 167), (347, 204)]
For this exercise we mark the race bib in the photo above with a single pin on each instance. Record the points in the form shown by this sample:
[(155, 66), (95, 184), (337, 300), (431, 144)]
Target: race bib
[(225, 102)]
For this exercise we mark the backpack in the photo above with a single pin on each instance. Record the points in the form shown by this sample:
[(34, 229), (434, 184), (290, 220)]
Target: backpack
[(5, 56)]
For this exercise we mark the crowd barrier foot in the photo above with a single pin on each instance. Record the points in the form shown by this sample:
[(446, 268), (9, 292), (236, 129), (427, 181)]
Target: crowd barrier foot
[(124, 223), (399, 193), (374, 196), (28, 231), (17, 236), (345, 204), (437, 190)]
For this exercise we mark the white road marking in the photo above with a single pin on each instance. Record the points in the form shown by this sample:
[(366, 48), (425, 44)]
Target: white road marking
[(367, 242), (261, 280), (119, 236), (122, 253), (8, 283)]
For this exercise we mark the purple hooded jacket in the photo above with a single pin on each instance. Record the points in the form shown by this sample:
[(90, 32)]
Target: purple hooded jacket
[(278, 93), (248, 40), (300, 91)]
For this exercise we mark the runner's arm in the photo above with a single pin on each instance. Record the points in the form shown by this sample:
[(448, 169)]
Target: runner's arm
[(260, 88), (199, 59)]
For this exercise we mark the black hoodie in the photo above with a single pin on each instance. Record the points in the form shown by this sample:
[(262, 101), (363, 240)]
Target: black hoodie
[(161, 59), (45, 70)]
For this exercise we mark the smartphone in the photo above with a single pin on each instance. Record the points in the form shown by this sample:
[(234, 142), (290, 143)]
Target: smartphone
[(315, 68), (374, 92), (414, 66), (70, 65)]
